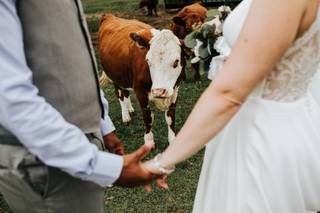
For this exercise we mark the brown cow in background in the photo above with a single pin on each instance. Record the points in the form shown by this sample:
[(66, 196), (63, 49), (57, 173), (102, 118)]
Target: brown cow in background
[(151, 6), (137, 57), (188, 19)]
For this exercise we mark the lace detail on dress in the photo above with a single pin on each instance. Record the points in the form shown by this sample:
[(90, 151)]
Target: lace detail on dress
[(290, 78)]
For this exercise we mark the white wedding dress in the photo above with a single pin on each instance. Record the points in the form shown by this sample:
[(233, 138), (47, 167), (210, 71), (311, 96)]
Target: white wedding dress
[(267, 159)]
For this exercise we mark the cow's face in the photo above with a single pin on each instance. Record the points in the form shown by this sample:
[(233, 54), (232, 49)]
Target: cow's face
[(191, 22), (164, 60)]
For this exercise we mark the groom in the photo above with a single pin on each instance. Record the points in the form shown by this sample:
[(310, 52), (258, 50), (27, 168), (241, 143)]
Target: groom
[(52, 115)]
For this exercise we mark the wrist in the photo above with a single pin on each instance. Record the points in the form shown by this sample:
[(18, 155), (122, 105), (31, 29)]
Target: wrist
[(164, 161), (109, 134), (161, 167)]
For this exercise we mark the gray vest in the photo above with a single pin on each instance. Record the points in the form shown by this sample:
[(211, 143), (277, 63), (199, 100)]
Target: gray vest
[(60, 54)]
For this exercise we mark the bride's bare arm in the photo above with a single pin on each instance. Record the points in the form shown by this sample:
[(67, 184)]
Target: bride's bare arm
[(270, 28)]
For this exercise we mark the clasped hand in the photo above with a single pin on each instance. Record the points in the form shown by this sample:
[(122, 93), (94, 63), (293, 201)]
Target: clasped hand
[(135, 173)]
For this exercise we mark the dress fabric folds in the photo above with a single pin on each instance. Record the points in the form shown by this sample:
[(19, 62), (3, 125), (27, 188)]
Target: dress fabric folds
[(267, 159)]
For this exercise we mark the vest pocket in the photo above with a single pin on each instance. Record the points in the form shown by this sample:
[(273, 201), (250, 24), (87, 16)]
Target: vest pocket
[(97, 140), (35, 174), (38, 179)]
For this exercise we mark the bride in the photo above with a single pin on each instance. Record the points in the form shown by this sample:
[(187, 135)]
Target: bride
[(261, 123)]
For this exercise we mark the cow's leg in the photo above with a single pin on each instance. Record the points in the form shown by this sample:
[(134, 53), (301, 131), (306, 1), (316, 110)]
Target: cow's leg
[(127, 101), (149, 10), (155, 11), (170, 116), (170, 119), (196, 70), (120, 93), (148, 116)]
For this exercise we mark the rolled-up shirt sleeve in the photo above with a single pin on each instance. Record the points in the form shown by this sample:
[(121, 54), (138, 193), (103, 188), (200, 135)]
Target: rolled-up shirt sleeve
[(106, 122), (38, 126)]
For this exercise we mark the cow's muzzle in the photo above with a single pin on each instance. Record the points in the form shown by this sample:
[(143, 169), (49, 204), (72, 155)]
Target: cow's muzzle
[(159, 93)]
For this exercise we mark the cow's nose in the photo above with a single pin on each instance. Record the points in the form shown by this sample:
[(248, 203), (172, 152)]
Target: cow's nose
[(159, 92)]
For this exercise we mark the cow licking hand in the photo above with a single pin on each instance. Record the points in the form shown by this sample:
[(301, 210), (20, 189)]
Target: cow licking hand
[(148, 61)]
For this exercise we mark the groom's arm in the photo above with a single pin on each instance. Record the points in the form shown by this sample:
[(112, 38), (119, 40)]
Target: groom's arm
[(111, 140), (53, 140), (22, 111)]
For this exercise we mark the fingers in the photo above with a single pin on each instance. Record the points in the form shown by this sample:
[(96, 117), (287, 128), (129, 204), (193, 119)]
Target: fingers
[(148, 187), (120, 151), (162, 182), (141, 152)]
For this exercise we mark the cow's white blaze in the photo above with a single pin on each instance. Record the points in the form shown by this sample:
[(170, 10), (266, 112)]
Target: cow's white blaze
[(164, 59)]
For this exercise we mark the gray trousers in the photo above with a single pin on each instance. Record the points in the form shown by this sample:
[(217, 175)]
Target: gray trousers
[(29, 186)]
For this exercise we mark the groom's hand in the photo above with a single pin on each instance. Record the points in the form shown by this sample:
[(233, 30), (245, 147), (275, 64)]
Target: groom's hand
[(133, 173), (114, 144)]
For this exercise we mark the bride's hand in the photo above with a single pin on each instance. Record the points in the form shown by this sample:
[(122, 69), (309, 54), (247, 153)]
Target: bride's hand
[(160, 182), (151, 167)]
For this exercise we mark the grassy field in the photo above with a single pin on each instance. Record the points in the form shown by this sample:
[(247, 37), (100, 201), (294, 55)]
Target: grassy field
[(183, 182)]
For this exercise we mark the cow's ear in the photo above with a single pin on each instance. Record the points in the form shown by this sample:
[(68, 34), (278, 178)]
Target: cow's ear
[(179, 21), (141, 39)]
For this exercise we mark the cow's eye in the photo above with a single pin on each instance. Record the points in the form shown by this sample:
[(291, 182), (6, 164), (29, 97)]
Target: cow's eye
[(176, 63)]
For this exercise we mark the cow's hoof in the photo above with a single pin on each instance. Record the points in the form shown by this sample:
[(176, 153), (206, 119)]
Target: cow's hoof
[(126, 121), (197, 81), (131, 110), (126, 117)]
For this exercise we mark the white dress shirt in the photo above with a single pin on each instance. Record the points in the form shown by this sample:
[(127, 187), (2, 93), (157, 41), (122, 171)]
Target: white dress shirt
[(38, 126)]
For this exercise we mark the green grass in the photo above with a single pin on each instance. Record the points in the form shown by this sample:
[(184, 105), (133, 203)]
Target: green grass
[(183, 182), (111, 6), (98, 6)]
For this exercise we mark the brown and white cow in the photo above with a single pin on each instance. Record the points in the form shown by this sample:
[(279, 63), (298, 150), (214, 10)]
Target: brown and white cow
[(148, 61), (188, 19)]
